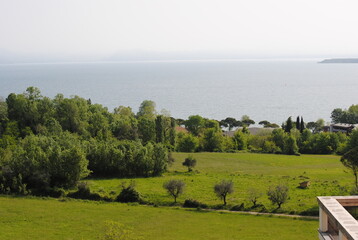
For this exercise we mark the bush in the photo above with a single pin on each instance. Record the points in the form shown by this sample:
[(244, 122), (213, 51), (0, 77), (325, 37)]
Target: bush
[(189, 162), (191, 203), (128, 194)]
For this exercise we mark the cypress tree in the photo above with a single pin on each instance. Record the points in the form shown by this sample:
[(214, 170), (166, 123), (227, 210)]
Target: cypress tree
[(302, 125), (159, 127), (298, 122), (288, 126)]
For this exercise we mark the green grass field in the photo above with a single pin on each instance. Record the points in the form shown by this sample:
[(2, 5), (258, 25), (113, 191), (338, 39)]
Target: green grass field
[(247, 170), (36, 218)]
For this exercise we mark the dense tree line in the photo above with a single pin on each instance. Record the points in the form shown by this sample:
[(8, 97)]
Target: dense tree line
[(52, 143)]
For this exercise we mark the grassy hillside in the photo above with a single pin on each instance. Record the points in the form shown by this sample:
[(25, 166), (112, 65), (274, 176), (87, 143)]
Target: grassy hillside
[(247, 170), (35, 218)]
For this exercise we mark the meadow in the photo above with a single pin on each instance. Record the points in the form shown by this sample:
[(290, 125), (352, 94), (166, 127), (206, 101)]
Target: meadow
[(37, 218), (247, 170)]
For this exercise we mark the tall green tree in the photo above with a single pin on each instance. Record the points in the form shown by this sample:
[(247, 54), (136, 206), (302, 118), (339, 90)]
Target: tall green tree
[(147, 109), (195, 124), (288, 125)]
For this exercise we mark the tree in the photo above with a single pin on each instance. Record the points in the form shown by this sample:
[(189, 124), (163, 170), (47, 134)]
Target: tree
[(278, 195), (189, 162), (174, 187), (147, 109), (253, 195), (230, 123), (247, 121), (187, 143), (302, 125), (224, 188), (194, 124), (290, 146), (146, 129), (160, 129), (288, 125), (337, 115), (298, 123), (240, 140), (213, 140), (350, 161), (279, 137), (264, 122)]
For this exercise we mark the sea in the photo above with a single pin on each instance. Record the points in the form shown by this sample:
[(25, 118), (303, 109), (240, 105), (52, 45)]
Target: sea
[(271, 90)]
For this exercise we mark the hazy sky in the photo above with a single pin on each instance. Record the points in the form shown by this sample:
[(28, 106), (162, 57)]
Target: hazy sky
[(249, 27)]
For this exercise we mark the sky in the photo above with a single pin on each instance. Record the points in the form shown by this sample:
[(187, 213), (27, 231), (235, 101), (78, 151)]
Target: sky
[(249, 28)]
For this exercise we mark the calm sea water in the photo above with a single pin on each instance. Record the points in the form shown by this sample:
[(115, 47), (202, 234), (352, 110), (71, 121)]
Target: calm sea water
[(264, 90)]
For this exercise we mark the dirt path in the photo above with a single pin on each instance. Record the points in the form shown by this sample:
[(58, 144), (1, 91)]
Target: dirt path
[(266, 214)]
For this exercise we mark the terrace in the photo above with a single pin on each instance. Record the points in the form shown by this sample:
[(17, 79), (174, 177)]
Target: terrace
[(337, 218)]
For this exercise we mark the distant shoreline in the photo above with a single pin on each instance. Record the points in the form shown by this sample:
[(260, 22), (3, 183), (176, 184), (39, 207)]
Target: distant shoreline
[(340, 60)]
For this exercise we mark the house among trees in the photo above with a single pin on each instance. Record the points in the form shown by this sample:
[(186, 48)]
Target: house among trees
[(340, 127)]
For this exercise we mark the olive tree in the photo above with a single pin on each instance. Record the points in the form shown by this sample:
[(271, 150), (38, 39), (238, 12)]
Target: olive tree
[(224, 188), (174, 187), (278, 194), (253, 195)]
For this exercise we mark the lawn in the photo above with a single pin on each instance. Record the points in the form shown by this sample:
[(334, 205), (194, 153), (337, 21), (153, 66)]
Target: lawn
[(36, 218), (248, 170)]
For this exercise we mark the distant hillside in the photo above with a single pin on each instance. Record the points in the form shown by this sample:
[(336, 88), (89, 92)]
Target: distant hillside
[(340, 60)]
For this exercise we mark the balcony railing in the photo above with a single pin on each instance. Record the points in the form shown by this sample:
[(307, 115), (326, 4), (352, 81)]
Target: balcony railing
[(335, 222)]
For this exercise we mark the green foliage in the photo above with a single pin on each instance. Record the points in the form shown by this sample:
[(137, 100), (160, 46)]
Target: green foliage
[(187, 143), (289, 125), (247, 121), (278, 194), (223, 188), (290, 146), (146, 129), (213, 140), (240, 140), (47, 162), (230, 123), (345, 116), (195, 124), (350, 161), (147, 110), (353, 140)]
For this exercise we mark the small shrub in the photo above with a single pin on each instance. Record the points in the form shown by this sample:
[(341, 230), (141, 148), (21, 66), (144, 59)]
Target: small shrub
[(128, 194), (191, 203), (190, 162)]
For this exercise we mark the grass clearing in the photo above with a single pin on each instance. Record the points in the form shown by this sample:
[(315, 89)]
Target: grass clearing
[(325, 172), (36, 218)]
